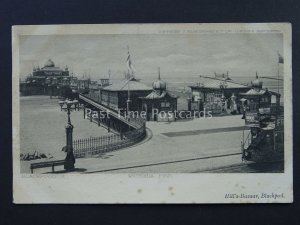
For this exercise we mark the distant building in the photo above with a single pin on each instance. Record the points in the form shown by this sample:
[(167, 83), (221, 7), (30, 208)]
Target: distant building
[(50, 70), (258, 98), (116, 95), (83, 84), (159, 105), (103, 82), (217, 94), (74, 83), (46, 80)]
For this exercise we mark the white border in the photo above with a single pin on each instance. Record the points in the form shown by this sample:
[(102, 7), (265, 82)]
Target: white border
[(152, 188)]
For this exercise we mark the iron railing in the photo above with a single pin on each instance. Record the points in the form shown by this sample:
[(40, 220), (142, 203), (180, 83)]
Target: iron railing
[(96, 145)]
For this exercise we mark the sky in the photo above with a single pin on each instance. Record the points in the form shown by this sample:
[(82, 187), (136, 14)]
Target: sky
[(177, 55)]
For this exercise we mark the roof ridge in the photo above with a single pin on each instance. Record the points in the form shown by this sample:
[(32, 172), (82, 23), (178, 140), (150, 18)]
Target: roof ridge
[(127, 81)]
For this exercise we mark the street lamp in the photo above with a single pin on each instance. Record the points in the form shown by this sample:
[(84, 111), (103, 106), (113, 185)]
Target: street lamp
[(70, 159), (76, 104), (48, 82), (61, 103)]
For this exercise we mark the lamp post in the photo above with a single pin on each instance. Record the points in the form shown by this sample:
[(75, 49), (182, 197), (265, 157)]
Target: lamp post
[(48, 83), (70, 159), (233, 102), (128, 101), (223, 103)]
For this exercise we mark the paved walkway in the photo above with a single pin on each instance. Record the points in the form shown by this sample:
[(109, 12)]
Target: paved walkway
[(167, 144), (207, 131), (182, 146)]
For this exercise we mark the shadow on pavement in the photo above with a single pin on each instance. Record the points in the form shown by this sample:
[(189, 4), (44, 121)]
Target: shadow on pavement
[(76, 170)]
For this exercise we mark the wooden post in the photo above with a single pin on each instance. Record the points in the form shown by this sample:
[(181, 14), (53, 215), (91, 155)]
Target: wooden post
[(99, 118), (91, 116), (121, 132), (83, 111), (108, 125)]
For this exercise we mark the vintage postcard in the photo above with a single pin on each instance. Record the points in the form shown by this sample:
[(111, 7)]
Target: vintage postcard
[(152, 113)]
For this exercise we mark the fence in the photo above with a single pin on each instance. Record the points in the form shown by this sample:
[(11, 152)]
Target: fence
[(96, 145)]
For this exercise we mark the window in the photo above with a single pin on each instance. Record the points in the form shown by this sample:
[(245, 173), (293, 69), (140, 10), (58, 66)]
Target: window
[(165, 104), (264, 99)]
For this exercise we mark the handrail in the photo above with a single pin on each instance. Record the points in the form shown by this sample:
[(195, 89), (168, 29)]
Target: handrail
[(247, 139), (111, 142), (109, 111), (107, 143)]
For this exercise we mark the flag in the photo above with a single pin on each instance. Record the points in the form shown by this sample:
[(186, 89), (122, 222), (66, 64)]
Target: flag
[(280, 58), (129, 64)]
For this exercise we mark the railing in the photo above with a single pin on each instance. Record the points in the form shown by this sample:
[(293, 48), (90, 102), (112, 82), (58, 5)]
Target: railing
[(97, 145), (246, 141), (112, 112)]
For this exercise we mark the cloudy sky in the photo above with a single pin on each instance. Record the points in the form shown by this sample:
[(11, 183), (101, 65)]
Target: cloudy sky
[(176, 55)]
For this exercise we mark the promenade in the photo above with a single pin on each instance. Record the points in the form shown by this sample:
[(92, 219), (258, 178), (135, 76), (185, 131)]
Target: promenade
[(183, 146)]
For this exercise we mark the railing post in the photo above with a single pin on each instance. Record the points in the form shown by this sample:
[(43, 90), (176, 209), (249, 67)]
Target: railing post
[(83, 111), (89, 145), (80, 146), (110, 142), (121, 132), (98, 118)]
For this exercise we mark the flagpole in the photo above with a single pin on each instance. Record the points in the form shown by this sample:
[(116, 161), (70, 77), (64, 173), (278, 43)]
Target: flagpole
[(278, 76), (128, 100), (280, 61), (129, 77)]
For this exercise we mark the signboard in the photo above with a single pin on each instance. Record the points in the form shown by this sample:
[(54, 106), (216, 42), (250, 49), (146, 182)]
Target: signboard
[(264, 110), (251, 118)]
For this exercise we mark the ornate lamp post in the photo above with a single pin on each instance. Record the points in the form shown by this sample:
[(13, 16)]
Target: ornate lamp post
[(48, 83), (61, 103), (70, 159)]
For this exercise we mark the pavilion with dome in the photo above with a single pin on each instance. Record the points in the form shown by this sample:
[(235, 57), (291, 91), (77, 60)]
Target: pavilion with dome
[(260, 98), (50, 70), (159, 102), (219, 94), (46, 80)]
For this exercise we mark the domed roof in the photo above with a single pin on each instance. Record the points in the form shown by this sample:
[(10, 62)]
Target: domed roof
[(257, 83), (49, 63), (159, 84)]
